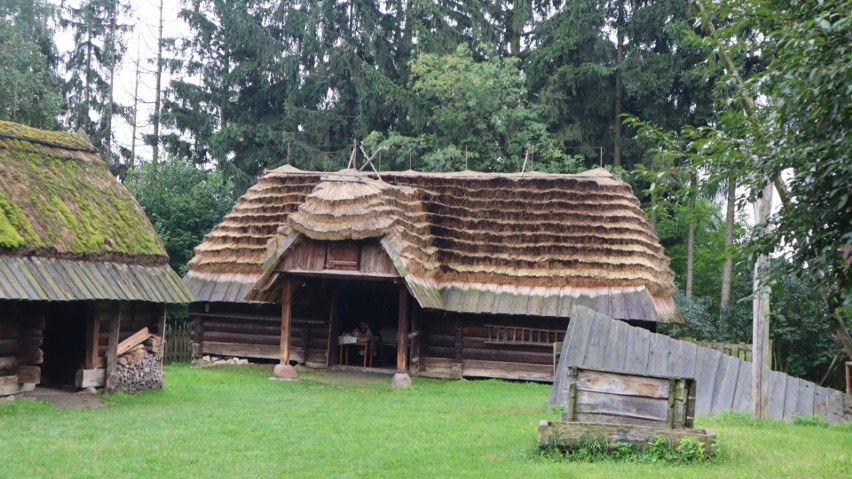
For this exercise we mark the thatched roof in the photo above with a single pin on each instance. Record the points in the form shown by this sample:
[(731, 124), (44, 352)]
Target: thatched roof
[(534, 244), (60, 205)]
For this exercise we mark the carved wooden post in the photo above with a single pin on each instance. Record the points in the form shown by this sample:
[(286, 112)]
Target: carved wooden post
[(284, 370), (401, 378)]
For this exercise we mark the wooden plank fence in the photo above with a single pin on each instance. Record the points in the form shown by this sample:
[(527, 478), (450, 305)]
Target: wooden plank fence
[(177, 348), (595, 341), (737, 350)]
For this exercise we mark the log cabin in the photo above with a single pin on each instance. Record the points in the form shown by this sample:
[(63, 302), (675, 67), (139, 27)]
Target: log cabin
[(81, 270), (460, 274)]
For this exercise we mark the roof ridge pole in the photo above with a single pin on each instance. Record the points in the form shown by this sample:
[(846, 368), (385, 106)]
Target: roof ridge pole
[(526, 159)]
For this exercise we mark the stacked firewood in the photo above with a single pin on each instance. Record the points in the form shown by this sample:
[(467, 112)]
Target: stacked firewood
[(139, 363)]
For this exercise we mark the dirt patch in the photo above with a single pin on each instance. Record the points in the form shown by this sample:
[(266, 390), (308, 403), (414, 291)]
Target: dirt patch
[(65, 399)]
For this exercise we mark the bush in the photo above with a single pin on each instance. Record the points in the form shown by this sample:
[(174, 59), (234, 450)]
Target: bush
[(810, 420), (660, 450)]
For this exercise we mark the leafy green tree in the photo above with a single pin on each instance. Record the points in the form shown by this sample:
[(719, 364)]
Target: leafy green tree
[(478, 117), (183, 203)]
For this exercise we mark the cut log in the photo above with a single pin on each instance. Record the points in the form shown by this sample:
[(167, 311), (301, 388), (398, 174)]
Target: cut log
[(35, 356), (28, 344), (8, 330), (31, 333), (9, 385), (8, 365), (8, 346), (135, 339), (572, 435), (86, 378), (29, 374)]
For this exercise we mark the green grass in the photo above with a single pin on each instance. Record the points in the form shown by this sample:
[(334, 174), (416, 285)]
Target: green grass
[(234, 422)]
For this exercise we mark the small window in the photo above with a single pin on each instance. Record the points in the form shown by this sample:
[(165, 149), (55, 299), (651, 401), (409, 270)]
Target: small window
[(342, 256)]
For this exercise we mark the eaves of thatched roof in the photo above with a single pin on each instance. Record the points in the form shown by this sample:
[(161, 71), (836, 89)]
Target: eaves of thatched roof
[(528, 244), (69, 230)]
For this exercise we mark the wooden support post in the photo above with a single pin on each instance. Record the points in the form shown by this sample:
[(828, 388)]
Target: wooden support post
[(112, 349), (161, 331), (401, 378), (286, 310), (93, 329), (402, 333), (458, 356), (284, 370), (848, 377)]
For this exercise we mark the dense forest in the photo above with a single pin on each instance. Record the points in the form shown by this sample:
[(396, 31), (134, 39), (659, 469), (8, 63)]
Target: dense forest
[(698, 107)]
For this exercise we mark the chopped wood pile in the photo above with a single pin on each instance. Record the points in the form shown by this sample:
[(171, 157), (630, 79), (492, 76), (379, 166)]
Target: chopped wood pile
[(139, 363)]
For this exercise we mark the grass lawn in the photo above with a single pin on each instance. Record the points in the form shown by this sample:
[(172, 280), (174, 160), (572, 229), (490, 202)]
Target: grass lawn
[(233, 422)]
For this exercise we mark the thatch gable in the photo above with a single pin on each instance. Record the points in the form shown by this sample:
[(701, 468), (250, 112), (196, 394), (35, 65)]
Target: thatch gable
[(69, 230), (530, 244)]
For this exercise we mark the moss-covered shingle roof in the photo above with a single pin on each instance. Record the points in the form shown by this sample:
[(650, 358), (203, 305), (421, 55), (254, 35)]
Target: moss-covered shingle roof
[(58, 199)]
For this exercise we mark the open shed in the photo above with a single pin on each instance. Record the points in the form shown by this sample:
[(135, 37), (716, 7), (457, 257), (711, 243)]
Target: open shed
[(81, 268), (462, 274)]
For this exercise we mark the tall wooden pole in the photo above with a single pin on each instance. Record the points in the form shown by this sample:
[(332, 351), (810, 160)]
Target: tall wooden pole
[(401, 378), (760, 303), (283, 370), (760, 323), (112, 349), (286, 307), (402, 334)]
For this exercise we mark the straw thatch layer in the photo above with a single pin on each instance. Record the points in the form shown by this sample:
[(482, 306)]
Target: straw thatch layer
[(59, 200), (458, 234)]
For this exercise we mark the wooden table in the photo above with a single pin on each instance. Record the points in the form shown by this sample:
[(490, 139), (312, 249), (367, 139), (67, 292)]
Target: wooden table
[(361, 344)]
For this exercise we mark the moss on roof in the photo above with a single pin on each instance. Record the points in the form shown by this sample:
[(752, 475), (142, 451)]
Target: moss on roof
[(58, 199)]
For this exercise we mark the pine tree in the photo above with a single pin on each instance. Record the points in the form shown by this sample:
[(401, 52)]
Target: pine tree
[(99, 44), (28, 61)]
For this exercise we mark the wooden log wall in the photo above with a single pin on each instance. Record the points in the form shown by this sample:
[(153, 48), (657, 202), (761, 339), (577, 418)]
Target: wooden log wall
[(21, 336), (467, 345), (253, 331), (723, 382)]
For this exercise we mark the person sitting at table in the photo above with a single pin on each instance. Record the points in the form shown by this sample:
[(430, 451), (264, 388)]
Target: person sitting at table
[(362, 332)]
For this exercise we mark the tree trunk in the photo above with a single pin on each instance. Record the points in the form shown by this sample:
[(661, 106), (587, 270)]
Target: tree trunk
[(514, 28), (155, 158), (619, 52), (88, 85), (690, 248), (107, 151), (730, 218), (135, 110)]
